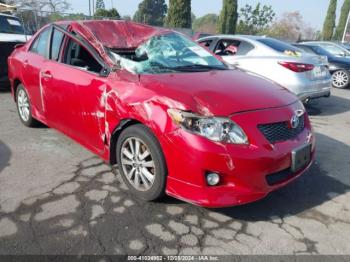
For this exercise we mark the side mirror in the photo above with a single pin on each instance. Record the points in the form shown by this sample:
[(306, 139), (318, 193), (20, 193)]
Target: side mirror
[(104, 72), (19, 46)]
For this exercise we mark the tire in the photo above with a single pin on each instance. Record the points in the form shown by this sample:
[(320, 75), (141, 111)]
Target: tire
[(24, 107), (341, 79), (144, 173)]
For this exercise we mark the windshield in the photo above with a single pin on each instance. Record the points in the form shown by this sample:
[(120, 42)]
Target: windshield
[(335, 49), (167, 53), (10, 25)]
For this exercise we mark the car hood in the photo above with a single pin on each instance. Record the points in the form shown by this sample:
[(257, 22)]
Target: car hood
[(219, 93)]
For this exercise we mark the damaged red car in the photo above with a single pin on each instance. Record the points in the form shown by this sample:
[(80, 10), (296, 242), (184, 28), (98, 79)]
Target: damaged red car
[(173, 116)]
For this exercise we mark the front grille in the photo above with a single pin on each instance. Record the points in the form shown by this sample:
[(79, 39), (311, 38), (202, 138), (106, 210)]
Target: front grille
[(281, 131), (279, 177)]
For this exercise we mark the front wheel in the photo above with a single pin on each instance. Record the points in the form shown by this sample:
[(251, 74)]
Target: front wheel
[(341, 79), (141, 162)]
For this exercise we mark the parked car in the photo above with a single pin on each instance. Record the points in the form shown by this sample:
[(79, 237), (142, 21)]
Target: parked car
[(304, 75), (331, 47), (339, 66), (345, 45), (11, 33), (174, 117)]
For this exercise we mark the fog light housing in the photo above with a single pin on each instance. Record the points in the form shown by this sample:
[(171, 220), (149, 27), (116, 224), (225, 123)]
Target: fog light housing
[(213, 179)]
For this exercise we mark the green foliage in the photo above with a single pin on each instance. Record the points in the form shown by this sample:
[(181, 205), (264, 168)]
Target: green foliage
[(179, 14), (151, 12), (228, 17), (329, 23), (338, 35), (206, 24), (111, 13), (100, 4), (255, 20)]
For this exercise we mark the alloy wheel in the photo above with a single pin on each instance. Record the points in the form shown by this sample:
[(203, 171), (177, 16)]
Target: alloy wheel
[(138, 164), (340, 79), (23, 105)]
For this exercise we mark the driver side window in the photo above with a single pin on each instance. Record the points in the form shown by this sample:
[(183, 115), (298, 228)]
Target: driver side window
[(227, 47), (76, 55)]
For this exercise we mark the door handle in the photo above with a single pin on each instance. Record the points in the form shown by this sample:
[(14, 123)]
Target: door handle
[(46, 75)]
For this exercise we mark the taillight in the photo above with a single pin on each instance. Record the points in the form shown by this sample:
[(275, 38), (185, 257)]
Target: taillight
[(297, 67)]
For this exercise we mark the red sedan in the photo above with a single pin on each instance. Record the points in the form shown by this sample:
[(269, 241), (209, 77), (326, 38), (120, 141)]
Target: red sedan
[(173, 117)]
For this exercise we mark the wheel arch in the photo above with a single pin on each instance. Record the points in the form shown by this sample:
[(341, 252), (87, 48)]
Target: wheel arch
[(123, 124), (16, 83)]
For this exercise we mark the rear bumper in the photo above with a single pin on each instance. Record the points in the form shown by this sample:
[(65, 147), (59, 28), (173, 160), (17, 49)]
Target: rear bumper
[(305, 89), (324, 92)]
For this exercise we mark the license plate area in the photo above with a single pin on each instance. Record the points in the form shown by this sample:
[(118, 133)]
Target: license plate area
[(301, 157), (319, 72)]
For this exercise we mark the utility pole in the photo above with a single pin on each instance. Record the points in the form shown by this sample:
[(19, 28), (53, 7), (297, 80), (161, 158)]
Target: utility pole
[(346, 27), (90, 8)]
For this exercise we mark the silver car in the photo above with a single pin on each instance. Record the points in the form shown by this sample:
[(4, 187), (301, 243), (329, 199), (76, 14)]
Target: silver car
[(305, 75)]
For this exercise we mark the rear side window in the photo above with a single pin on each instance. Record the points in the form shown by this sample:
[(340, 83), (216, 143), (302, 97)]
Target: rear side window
[(10, 25), (244, 48), (277, 45), (40, 44), (306, 49), (76, 55), (57, 39)]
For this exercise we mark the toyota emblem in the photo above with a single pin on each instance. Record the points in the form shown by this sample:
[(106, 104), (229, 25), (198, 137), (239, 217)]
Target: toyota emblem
[(294, 122)]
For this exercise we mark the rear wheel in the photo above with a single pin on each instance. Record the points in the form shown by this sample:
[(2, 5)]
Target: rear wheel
[(141, 162), (24, 107), (341, 79)]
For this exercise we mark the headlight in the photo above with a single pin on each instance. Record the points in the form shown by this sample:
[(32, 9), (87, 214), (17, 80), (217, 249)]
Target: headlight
[(217, 129)]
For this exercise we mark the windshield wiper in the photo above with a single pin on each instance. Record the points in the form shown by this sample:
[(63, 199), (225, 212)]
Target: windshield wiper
[(198, 67)]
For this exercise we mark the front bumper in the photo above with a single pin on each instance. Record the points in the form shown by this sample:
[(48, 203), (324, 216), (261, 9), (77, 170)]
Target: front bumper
[(243, 168)]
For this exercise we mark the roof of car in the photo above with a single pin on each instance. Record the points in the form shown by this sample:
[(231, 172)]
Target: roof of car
[(116, 34)]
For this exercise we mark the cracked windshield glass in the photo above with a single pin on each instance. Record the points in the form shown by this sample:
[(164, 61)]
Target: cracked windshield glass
[(166, 53)]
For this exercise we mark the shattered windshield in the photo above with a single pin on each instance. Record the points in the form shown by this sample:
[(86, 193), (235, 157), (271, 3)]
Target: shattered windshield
[(167, 53)]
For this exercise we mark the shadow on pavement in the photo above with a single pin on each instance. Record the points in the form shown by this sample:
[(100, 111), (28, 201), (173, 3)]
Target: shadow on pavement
[(312, 189), (328, 106), (5, 155)]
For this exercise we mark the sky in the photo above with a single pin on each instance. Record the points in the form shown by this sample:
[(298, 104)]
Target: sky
[(313, 11)]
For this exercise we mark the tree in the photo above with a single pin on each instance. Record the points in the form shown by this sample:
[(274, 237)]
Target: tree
[(329, 23), (255, 20), (338, 35), (179, 14), (100, 4), (228, 17), (291, 27), (43, 5), (57, 5), (151, 12), (111, 13), (206, 24)]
